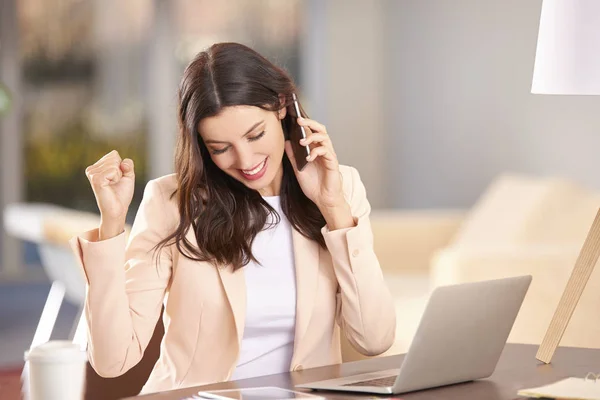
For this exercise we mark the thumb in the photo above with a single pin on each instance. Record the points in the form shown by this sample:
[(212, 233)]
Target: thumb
[(290, 154), (127, 168)]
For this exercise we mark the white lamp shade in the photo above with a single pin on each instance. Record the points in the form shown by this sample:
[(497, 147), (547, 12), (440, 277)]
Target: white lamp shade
[(567, 59)]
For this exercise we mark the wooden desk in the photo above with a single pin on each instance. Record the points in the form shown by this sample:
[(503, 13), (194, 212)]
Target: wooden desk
[(517, 369)]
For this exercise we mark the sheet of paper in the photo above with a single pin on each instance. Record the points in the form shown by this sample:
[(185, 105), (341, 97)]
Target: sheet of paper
[(570, 388)]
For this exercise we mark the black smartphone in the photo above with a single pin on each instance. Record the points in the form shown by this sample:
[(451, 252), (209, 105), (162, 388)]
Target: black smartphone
[(297, 132)]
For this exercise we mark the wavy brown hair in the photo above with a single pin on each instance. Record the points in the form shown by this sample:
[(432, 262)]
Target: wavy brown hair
[(224, 214)]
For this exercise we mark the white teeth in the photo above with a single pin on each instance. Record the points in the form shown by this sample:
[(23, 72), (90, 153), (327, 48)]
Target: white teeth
[(255, 170)]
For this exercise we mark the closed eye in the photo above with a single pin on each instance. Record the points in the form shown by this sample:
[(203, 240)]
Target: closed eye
[(252, 139), (219, 151)]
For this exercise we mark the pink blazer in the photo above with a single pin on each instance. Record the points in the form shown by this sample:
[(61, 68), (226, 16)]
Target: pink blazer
[(338, 287)]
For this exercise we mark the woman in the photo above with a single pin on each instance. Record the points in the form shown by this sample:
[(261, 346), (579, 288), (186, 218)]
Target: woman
[(257, 264)]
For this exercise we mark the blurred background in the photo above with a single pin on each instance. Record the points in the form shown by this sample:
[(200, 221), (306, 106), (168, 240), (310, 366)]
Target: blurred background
[(430, 100)]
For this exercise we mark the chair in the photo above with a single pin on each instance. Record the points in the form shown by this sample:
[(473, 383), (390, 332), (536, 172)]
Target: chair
[(50, 227)]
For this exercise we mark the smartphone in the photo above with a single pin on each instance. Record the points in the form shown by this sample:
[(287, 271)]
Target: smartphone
[(297, 132)]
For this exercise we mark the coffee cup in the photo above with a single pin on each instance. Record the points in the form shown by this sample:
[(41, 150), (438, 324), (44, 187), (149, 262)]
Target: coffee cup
[(56, 371)]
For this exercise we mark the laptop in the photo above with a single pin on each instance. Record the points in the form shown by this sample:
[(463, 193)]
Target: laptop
[(460, 338)]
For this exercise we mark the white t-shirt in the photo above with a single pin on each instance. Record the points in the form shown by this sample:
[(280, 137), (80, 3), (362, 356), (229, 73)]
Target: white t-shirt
[(268, 342)]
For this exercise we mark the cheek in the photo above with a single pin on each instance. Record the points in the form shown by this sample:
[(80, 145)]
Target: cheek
[(277, 143), (223, 161), (267, 146)]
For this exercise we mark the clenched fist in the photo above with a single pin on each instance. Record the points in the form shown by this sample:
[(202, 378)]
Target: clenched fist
[(112, 180)]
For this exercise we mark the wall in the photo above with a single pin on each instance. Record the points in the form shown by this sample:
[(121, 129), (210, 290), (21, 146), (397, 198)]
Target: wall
[(459, 104), (431, 99)]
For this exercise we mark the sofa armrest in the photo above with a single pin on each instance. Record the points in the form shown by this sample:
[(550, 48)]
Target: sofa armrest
[(405, 240), (550, 268), (45, 223), (60, 227)]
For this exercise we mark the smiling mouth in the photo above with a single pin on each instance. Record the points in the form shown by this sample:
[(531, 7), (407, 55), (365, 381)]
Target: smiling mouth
[(255, 170)]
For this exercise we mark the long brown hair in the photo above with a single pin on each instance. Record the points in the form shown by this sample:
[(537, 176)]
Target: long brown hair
[(224, 214)]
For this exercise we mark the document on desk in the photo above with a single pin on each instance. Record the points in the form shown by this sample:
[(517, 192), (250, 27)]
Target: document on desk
[(570, 388)]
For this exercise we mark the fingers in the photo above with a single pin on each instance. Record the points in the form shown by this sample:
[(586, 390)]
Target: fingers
[(104, 176), (320, 138), (319, 142), (109, 169), (320, 145), (321, 151), (111, 158), (111, 155), (316, 134), (127, 167), (313, 125)]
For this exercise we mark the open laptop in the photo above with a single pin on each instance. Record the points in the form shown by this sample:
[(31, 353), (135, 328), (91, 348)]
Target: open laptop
[(460, 338)]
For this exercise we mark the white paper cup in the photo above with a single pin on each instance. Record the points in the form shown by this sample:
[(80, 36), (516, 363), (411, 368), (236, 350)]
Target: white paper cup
[(56, 371)]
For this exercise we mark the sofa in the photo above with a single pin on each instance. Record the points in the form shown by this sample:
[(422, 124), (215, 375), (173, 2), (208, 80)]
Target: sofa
[(521, 225)]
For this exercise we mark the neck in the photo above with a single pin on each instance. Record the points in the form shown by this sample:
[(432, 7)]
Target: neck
[(273, 188)]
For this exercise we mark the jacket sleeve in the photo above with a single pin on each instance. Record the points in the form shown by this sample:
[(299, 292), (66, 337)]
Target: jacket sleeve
[(365, 306), (126, 284)]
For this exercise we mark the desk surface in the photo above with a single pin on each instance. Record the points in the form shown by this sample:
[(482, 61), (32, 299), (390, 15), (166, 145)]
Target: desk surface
[(517, 369)]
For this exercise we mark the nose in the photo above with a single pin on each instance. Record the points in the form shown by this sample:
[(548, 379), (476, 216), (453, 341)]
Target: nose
[(245, 158)]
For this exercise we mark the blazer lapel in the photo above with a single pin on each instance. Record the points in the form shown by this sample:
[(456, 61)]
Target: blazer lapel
[(306, 258), (235, 289), (234, 285)]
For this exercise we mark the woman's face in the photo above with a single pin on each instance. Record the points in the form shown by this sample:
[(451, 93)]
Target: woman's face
[(247, 143)]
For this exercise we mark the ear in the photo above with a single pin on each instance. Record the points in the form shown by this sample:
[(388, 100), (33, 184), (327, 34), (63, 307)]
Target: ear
[(282, 112)]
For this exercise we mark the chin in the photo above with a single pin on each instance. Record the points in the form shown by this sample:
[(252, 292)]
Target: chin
[(260, 184)]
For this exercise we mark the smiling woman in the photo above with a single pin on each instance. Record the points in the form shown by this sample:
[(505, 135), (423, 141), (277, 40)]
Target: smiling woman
[(233, 115), (245, 156), (258, 264)]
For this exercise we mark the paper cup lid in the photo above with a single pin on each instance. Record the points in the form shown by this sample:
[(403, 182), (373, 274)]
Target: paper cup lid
[(56, 351)]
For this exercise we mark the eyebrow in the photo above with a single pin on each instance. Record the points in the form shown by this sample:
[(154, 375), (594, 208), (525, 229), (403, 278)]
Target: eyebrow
[(253, 127)]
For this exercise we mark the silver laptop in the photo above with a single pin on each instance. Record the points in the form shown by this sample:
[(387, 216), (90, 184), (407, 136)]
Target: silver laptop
[(460, 338)]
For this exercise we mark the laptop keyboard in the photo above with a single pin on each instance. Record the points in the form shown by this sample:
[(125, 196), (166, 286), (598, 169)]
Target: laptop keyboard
[(379, 382)]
